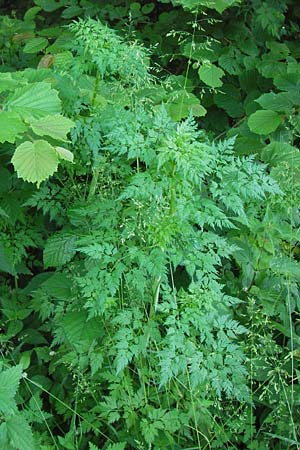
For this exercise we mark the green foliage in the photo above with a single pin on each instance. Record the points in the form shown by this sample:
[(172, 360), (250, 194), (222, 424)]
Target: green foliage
[(150, 289)]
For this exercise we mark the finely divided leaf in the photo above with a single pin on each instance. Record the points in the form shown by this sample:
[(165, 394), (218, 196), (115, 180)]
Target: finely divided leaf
[(35, 161)]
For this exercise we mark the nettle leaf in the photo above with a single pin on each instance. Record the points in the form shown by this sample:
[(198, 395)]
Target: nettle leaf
[(56, 126), (35, 45), (264, 122), (77, 328), (34, 101), (211, 75), (59, 250), (19, 433), (35, 161), (6, 260), (9, 383), (11, 126)]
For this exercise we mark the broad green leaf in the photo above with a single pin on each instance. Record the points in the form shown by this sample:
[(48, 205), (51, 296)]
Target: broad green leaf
[(50, 5), (287, 82), (58, 285), (11, 126), (229, 99), (31, 13), (56, 126), (221, 5), (264, 122), (211, 75), (65, 154), (8, 83), (9, 383), (218, 5), (6, 261), (20, 433), (59, 250), (281, 102), (35, 161), (3, 213), (35, 45), (34, 101), (182, 103), (77, 328), (281, 152)]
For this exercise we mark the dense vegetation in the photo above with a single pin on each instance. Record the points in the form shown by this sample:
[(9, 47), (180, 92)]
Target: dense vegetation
[(149, 235)]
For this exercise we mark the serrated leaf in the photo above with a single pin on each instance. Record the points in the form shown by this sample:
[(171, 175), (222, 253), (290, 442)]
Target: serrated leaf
[(281, 102), (92, 446), (35, 45), (49, 5), (229, 99), (20, 433), (35, 161), (119, 446), (34, 101), (6, 261), (211, 75), (11, 126), (281, 152), (56, 126), (264, 122), (59, 250), (78, 329), (9, 383), (8, 83), (65, 154)]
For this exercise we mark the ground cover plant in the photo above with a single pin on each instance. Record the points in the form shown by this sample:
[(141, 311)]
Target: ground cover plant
[(149, 235)]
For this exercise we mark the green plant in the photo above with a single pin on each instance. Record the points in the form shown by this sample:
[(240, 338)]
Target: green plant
[(150, 288)]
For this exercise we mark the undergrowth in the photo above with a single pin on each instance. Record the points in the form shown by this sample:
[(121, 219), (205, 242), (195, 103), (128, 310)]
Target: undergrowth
[(149, 270)]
